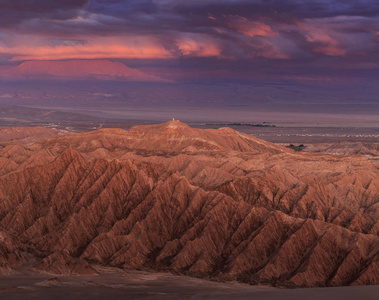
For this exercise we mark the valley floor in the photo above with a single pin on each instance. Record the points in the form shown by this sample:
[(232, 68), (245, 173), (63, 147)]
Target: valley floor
[(117, 284)]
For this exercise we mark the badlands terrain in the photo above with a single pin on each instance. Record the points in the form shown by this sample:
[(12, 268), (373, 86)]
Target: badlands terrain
[(210, 203)]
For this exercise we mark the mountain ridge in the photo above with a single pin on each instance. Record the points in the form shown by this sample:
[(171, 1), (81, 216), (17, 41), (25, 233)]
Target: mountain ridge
[(76, 69), (241, 209)]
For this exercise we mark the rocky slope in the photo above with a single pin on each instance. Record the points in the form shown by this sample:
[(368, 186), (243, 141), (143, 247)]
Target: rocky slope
[(210, 203), (369, 150), (27, 135)]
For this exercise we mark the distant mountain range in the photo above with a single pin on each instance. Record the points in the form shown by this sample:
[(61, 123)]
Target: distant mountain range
[(94, 84), (76, 69)]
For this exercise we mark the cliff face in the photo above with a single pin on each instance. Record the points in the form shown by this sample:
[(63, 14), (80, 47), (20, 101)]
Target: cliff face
[(208, 203)]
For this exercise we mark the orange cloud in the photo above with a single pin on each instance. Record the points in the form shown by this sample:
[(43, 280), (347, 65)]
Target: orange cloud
[(24, 48), (96, 49)]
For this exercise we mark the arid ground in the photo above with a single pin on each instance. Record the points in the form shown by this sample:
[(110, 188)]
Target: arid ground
[(81, 208), (117, 284)]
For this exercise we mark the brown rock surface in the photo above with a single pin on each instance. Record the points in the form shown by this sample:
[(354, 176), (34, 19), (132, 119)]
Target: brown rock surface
[(26, 135), (210, 203)]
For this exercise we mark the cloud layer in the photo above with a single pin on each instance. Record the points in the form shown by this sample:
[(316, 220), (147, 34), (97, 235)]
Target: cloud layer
[(227, 37)]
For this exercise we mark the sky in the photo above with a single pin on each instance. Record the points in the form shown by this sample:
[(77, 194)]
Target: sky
[(303, 42), (309, 40)]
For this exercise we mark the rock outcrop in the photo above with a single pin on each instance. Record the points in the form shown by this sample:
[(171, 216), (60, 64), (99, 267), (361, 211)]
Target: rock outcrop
[(209, 203)]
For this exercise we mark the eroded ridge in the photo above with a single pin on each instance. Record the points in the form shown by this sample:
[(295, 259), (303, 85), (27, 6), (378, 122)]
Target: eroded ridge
[(209, 203)]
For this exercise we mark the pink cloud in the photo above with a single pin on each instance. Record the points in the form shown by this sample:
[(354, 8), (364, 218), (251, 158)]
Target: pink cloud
[(94, 49), (250, 28), (219, 30), (23, 47), (322, 37), (327, 44), (198, 46), (211, 17)]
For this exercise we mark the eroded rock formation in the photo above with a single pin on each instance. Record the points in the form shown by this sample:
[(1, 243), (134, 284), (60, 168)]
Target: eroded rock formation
[(210, 203)]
